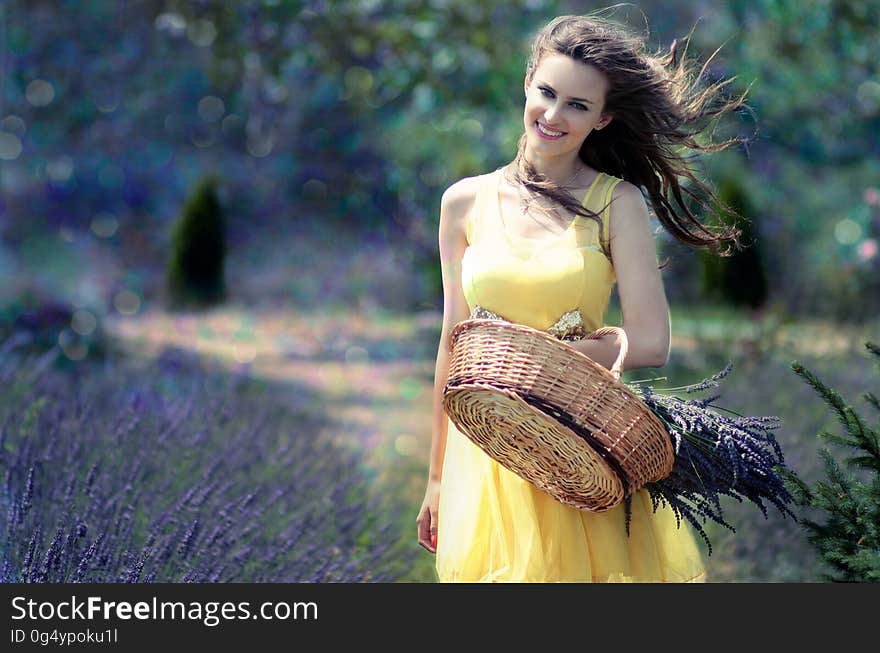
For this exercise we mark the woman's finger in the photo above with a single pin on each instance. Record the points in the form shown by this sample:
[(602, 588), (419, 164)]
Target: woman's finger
[(433, 531), (423, 530)]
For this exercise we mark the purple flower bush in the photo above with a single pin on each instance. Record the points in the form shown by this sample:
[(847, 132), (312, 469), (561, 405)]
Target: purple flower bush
[(174, 476), (715, 455)]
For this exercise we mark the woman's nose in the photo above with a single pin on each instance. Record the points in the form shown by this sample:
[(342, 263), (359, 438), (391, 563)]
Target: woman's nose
[(551, 113)]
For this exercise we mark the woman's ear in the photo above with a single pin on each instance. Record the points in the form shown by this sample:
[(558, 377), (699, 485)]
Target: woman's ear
[(527, 81), (607, 118)]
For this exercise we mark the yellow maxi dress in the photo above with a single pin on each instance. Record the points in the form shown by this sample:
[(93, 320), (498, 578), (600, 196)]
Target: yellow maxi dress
[(494, 526)]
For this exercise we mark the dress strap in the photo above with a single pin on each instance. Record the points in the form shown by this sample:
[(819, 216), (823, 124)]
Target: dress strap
[(596, 182), (598, 200), (610, 185), (476, 211)]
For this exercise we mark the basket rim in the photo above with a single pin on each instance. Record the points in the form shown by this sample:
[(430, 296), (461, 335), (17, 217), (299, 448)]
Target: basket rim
[(581, 357)]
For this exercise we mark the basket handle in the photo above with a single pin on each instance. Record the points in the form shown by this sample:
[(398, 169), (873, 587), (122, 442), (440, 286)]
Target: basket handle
[(617, 368)]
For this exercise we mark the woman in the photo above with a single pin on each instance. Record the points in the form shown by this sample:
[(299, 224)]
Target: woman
[(550, 232)]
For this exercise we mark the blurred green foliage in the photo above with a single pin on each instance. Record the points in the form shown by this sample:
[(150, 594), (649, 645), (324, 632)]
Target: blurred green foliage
[(359, 114)]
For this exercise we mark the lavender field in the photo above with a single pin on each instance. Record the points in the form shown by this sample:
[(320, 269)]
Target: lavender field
[(258, 442), (174, 471)]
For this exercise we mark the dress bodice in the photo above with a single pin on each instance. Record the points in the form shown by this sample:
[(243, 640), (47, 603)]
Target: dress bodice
[(539, 282)]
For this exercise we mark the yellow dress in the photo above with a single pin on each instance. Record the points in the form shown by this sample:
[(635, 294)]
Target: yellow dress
[(494, 526)]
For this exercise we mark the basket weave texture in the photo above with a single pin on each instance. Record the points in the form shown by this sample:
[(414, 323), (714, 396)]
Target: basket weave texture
[(552, 415)]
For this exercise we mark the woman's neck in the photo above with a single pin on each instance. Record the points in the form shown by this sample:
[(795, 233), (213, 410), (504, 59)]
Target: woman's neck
[(557, 169)]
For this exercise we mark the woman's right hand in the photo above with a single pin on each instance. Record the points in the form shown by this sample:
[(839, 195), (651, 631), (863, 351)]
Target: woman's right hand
[(427, 519)]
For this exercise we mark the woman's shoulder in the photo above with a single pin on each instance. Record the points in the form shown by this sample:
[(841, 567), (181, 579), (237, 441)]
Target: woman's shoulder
[(459, 198), (625, 189), (628, 208), (464, 191)]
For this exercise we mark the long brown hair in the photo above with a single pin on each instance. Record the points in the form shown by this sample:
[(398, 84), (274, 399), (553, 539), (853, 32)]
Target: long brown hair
[(658, 112)]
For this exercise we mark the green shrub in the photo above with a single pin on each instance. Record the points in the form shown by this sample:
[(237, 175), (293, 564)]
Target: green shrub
[(849, 539), (195, 275), (36, 320), (738, 280)]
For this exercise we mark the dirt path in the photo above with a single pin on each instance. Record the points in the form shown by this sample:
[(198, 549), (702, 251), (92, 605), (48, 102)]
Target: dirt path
[(371, 371)]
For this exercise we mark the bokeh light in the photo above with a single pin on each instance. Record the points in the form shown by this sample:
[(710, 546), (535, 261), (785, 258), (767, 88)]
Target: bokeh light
[(211, 108), (867, 249), (104, 225), (126, 302), (60, 169), (10, 146), (83, 322), (202, 32), (72, 346), (406, 445), (847, 232), (40, 93)]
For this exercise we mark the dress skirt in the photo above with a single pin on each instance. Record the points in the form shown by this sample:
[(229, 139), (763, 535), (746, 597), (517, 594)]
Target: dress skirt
[(494, 526)]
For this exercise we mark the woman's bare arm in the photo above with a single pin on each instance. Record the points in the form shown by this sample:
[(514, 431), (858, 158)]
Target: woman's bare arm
[(639, 287), (455, 205)]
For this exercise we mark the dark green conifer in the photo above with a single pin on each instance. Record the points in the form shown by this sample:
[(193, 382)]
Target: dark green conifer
[(195, 275), (849, 538), (739, 279)]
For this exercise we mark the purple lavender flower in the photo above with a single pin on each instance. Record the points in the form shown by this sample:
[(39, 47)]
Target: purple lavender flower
[(715, 455), (161, 485)]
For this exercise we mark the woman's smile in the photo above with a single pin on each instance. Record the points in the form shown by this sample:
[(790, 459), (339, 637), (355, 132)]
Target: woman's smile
[(546, 132)]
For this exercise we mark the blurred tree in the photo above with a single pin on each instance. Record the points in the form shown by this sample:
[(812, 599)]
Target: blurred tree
[(738, 280), (392, 101), (198, 249), (817, 64)]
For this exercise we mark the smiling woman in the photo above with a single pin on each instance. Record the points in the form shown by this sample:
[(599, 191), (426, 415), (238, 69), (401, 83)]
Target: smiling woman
[(554, 109), (542, 241)]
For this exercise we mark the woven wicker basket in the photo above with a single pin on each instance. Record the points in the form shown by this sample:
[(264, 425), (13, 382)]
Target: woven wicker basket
[(552, 415)]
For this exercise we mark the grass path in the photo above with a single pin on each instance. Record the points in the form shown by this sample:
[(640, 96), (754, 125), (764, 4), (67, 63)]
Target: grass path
[(374, 370), (372, 377)]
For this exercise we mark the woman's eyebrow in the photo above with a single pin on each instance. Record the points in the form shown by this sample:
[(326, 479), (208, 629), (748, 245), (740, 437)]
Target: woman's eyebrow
[(578, 99)]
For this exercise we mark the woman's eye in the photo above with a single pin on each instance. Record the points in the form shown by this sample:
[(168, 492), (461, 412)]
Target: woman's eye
[(546, 92)]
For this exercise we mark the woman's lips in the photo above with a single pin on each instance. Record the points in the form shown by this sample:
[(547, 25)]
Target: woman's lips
[(539, 126)]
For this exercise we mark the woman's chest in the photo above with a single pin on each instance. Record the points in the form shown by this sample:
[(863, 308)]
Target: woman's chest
[(538, 288), (548, 266), (557, 273)]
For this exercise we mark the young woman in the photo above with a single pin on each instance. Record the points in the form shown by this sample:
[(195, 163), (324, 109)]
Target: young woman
[(550, 232)]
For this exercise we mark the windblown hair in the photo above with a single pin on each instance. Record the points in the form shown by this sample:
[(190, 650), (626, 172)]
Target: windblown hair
[(658, 113)]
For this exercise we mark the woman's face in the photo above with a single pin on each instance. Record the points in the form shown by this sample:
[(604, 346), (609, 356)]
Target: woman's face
[(564, 103)]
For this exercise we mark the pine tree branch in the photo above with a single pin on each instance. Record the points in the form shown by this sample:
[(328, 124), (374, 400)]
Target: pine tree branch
[(828, 394), (849, 540)]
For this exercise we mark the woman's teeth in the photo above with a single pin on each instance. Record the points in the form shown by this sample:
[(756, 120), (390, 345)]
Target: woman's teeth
[(548, 132)]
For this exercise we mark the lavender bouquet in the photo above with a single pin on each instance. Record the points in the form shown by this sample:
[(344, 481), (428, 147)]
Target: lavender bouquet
[(715, 455)]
